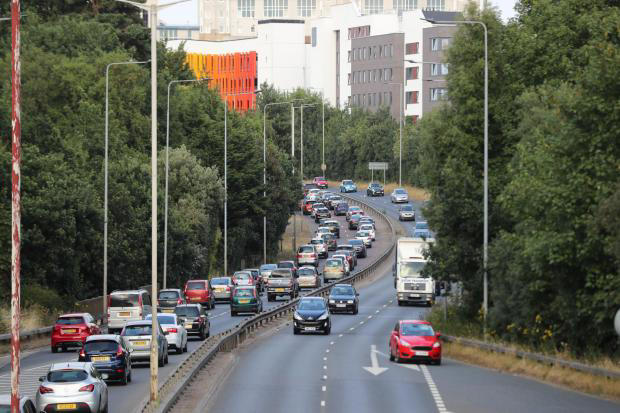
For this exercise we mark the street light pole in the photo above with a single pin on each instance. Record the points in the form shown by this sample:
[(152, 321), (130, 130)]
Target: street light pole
[(105, 186), (165, 267), (485, 282), (301, 143), (152, 7), (400, 132)]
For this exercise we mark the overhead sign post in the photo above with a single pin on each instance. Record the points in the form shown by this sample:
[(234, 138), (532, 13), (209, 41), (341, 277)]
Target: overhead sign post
[(379, 166)]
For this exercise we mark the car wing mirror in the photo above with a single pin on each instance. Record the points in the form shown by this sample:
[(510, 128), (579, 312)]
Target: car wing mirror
[(438, 334), (166, 333), (42, 378), (357, 294)]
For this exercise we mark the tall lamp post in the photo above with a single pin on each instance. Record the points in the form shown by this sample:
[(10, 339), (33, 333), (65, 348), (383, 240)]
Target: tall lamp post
[(165, 267), (485, 304), (105, 184), (153, 7), (301, 143), (400, 132)]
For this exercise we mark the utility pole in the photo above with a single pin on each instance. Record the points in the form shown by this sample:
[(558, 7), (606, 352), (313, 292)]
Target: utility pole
[(293, 159), (15, 203)]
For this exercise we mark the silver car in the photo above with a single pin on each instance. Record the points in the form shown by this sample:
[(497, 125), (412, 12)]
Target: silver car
[(399, 195), (406, 213), (370, 228), (321, 246), (127, 306), (176, 332), (222, 288), (137, 337), (308, 277), (265, 272), (72, 386)]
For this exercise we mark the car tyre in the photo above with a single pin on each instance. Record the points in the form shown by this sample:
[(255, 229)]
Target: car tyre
[(125, 379), (328, 330), (166, 358), (54, 349), (179, 350), (356, 310), (105, 410), (233, 313), (400, 303), (129, 375), (160, 362), (185, 347), (391, 355), (437, 362), (203, 336), (295, 330)]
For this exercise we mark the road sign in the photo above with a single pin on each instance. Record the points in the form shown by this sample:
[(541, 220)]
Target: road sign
[(323, 167), (377, 166)]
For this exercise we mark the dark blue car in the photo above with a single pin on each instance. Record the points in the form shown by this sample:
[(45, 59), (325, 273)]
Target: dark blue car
[(311, 316), (343, 298), (342, 208), (109, 355)]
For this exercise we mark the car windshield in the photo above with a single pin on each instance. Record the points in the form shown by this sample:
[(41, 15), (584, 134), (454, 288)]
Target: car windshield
[(343, 205), (187, 311), (400, 192), (363, 234), (306, 271), (409, 329), (140, 330), (168, 295), (242, 275), (317, 241), (67, 321), (195, 285), (422, 233), (328, 236), (342, 290), (375, 185), (267, 267), (366, 227), (336, 198), (306, 249), (162, 319), (66, 376), (286, 264), (333, 263), (411, 269), (312, 305), (323, 210), (406, 208), (324, 229), (280, 274), (346, 182), (220, 281), (320, 178), (244, 292), (356, 242), (124, 300), (100, 346), (421, 225)]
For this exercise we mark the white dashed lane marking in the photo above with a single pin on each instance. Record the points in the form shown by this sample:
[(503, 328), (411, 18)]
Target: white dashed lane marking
[(434, 391)]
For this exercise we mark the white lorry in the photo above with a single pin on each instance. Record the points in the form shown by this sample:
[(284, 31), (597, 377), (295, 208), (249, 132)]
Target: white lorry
[(411, 286)]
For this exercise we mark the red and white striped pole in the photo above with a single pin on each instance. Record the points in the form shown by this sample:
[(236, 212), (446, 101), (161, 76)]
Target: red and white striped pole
[(16, 206)]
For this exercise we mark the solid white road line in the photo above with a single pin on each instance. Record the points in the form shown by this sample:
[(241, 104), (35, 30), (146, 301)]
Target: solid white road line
[(433, 389), (324, 388)]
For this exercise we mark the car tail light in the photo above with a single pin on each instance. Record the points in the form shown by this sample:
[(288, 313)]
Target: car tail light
[(171, 330), (119, 352), (227, 288), (179, 301), (88, 387), (158, 303), (44, 390), (82, 353)]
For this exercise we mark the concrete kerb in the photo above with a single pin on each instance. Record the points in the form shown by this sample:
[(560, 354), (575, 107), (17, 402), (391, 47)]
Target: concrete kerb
[(237, 335)]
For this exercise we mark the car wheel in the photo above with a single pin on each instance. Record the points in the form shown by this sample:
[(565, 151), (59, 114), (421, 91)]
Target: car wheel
[(129, 375), (328, 330), (185, 347), (202, 334), (391, 354), (295, 330), (356, 310), (160, 362), (179, 350), (400, 303), (105, 409), (397, 358), (166, 359), (54, 349), (233, 313), (437, 362), (125, 379)]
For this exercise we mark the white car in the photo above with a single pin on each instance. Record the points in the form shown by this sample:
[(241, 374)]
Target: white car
[(346, 262), (315, 207), (365, 237), (370, 228), (321, 246), (399, 195), (177, 334), (322, 230)]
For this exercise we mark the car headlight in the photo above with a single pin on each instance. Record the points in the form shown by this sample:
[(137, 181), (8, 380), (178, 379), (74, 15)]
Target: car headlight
[(349, 301), (324, 316), (297, 317), (405, 344), (436, 344), (332, 301)]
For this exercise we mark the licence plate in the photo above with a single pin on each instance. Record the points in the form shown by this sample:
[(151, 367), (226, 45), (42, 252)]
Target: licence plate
[(341, 305), (279, 290), (100, 358), (139, 343), (69, 331), (66, 406), (421, 353), (244, 301), (167, 310), (310, 328), (195, 299), (414, 295), (189, 325), (124, 314)]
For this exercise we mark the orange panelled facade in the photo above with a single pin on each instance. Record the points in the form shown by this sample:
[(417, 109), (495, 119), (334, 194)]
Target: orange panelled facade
[(234, 74)]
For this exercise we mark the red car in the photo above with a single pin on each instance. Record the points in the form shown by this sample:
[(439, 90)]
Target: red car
[(320, 182), (199, 292), (307, 208), (415, 340), (71, 330)]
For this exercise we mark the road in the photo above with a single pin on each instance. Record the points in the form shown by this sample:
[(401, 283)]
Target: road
[(349, 371), (125, 398)]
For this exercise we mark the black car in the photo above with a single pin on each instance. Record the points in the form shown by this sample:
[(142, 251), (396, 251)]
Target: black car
[(360, 248), (354, 221), (312, 315), (375, 189), (109, 355), (341, 209), (343, 297), (321, 213), (194, 320), (168, 299)]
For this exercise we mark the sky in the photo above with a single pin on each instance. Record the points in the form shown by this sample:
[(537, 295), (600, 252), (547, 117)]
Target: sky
[(187, 13)]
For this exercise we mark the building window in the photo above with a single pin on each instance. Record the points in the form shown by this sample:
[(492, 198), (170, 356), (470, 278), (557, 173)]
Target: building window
[(379, 95), (349, 56), (439, 43), (246, 8), (438, 94), (314, 37), (412, 73), (439, 5), (391, 50), (412, 48), (439, 69), (403, 5), (306, 7), (373, 6), (361, 31), (275, 8), (349, 78), (387, 74), (412, 97)]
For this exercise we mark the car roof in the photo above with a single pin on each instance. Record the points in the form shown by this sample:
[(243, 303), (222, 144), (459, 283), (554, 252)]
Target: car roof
[(311, 299), (288, 261), (415, 322), (219, 278), (82, 365), (189, 305), (308, 267), (189, 281), (245, 287), (104, 337), (140, 291), (170, 289), (138, 323), (73, 315), (342, 285)]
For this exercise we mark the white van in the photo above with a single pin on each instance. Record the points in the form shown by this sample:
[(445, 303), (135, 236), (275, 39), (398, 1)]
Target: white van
[(124, 306)]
